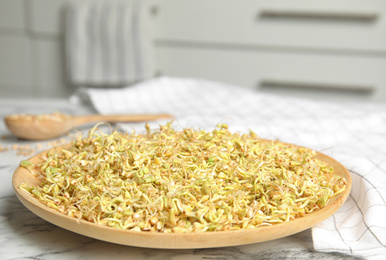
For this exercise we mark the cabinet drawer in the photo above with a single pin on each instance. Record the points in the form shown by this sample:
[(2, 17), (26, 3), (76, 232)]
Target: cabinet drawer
[(302, 74), (346, 24), (12, 14)]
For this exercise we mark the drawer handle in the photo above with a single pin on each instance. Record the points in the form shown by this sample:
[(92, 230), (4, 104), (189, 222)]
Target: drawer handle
[(316, 85), (320, 14)]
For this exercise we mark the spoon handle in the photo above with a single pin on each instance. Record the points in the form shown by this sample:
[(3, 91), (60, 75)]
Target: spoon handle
[(120, 118)]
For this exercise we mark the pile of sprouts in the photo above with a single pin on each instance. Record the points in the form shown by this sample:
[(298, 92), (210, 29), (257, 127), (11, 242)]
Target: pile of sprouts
[(166, 180)]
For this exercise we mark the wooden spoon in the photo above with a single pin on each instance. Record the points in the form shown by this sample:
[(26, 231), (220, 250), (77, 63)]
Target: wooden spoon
[(46, 126)]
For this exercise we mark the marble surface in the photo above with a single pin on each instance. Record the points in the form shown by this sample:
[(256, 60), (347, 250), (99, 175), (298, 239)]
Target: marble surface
[(23, 235)]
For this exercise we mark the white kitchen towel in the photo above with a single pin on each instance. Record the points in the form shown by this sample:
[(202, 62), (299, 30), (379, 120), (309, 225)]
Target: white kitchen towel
[(108, 42), (352, 133)]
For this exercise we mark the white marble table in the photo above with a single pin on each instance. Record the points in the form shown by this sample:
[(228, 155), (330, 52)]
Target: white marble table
[(23, 235)]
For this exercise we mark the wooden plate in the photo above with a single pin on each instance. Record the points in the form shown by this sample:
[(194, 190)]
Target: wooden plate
[(177, 240)]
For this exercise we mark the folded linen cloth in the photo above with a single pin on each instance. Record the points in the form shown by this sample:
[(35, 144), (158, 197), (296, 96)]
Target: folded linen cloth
[(352, 133), (108, 42)]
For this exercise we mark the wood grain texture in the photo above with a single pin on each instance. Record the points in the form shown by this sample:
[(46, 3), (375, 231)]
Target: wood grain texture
[(39, 129), (177, 240)]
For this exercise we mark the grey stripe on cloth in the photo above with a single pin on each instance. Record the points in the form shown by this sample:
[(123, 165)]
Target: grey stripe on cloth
[(108, 42)]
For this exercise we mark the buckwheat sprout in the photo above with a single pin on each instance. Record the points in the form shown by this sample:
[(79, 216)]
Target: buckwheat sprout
[(183, 181)]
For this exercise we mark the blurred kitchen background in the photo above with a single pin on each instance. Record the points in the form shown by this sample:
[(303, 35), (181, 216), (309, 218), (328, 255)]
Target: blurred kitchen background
[(322, 49)]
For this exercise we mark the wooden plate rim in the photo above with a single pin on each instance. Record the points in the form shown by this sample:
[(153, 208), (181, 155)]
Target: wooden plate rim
[(179, 240)]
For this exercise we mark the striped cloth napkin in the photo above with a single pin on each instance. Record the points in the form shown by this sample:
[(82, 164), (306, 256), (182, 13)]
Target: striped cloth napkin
[(352, 133), (108, 42)]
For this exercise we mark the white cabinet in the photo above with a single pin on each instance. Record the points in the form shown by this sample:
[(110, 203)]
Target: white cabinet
[(12, 15), (345, 24), (299, 74), (314, 48), (16, 75), (308, 48)]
